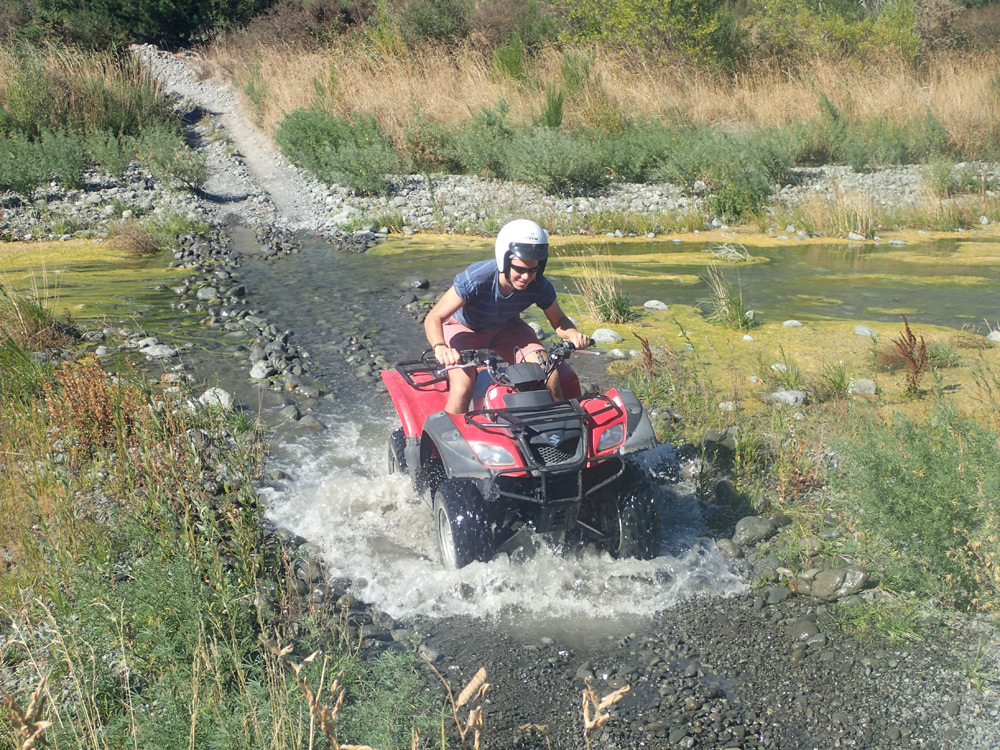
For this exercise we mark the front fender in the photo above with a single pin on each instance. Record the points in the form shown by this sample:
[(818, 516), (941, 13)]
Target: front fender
[(639, 433), (454, 450)]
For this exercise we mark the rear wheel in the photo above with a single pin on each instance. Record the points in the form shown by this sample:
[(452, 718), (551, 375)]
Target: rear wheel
[(460, 524), (628, 517)]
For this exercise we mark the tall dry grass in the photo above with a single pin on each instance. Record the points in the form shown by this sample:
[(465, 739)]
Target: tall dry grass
[(960, 90), (56, 87)]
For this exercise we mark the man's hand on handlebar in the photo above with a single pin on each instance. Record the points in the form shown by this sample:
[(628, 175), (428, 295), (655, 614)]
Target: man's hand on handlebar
[(447, 356), (577, 339)]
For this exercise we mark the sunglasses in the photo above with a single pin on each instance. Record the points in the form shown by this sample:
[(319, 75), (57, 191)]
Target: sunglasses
[(522, 271)]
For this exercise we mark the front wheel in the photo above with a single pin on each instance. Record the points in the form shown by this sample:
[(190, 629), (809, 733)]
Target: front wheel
[(397, 458), (460, 524), (628, 517)]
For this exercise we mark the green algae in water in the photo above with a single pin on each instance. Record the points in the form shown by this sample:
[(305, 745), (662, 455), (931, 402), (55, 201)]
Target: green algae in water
[(87, 279)]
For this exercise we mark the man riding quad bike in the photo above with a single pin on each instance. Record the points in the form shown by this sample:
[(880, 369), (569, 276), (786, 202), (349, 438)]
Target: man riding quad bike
[(520, 458), (533, 451)]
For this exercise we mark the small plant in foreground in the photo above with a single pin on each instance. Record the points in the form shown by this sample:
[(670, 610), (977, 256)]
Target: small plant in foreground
[(914, 351), (725, 303), (26, 721), (600, 706)]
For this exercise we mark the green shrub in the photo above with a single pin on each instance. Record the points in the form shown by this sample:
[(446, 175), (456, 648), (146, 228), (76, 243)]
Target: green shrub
[(111, 154), (510, 60), (432, 146), (687, 26), (115, 22), (482, 144), (724, 304), (556, 161), (614, 306), (66, 157), (739, 169), (551, 115), (55, 88), (164, 151), (575, 71), (637, 153), (347, 150), (23, 165), (440, 21), (929, 496)]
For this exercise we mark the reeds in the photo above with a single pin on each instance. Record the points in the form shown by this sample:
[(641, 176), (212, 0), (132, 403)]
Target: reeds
[(724, 304), (447, 86), (601, 295)]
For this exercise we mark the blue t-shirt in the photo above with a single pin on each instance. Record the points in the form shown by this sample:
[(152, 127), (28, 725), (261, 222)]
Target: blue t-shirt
[(486, 308)]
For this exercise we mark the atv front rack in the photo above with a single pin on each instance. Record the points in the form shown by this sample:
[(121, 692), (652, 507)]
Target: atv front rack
[(514, 420)]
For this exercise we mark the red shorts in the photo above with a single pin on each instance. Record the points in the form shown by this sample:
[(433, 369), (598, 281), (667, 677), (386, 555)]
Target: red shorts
[(511, 342)]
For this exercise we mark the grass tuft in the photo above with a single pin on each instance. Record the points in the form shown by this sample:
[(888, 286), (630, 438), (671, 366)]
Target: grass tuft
[(725, 303)]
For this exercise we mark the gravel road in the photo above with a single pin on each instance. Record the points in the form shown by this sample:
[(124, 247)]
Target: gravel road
[(767, 669)]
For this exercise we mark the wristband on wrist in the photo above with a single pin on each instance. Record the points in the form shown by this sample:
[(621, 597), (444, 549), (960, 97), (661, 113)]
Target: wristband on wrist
[(440, 343)]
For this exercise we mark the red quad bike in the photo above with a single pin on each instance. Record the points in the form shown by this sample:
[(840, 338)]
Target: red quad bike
[(521, 459)]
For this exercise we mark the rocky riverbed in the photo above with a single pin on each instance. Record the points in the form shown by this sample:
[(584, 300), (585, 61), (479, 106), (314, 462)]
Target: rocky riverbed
[(765, 669)]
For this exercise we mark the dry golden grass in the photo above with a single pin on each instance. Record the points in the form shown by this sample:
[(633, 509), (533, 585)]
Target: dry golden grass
[(446, 86), (134, 240)]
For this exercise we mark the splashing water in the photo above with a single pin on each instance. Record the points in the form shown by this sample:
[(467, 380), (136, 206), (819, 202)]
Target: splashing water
[(376, 531)]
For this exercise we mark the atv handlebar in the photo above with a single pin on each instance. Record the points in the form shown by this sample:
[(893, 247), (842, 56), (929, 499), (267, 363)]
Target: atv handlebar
[(557, 352), (489, 359)]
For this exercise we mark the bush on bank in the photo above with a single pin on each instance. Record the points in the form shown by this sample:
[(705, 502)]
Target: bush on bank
[(64, 111), (134, 575), (914, 499)]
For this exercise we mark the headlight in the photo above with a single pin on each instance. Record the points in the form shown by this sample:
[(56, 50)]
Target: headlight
[(492, 455), (611, 437)]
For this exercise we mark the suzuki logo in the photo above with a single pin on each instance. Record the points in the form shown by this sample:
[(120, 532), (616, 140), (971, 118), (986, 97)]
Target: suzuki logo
[(554, 438)]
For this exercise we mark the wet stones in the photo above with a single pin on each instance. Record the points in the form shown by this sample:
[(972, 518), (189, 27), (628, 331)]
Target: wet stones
[(753, 529)]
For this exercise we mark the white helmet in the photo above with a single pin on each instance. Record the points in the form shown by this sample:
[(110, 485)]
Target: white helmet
[(522, 239)]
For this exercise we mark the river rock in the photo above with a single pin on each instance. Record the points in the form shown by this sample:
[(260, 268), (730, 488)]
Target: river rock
[(993, 336), (810, 546), (802, 629), (792, 324), (786, 398), (262, 370), (855, 237), (655, 304), (832, 584), (862, 387), (751, 530), (158, 351), (207, 293), (216, 397), (606, 336), (863, 330), (310, 422)]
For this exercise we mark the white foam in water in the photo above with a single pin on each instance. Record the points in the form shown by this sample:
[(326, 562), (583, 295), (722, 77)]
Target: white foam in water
[(375, 530)]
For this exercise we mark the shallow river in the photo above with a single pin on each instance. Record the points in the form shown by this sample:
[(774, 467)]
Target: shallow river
[(374, 530)]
